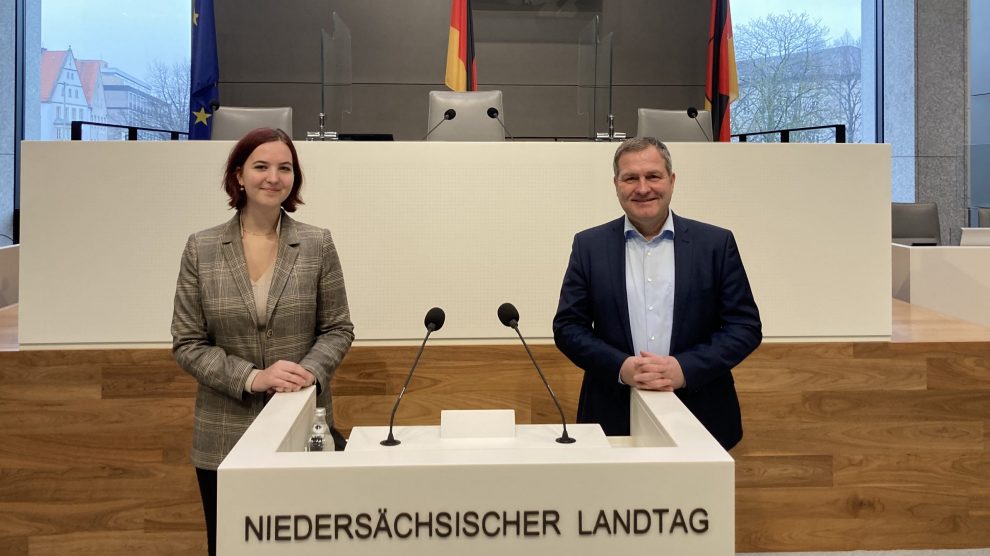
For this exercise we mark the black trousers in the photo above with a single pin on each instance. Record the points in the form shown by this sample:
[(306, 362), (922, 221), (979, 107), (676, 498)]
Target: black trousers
[(208, 492)]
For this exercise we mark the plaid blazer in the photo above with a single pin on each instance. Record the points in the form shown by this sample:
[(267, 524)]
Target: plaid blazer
[(216, 336)]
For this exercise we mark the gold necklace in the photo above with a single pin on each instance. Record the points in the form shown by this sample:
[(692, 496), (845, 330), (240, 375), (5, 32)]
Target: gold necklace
[(266, 234)]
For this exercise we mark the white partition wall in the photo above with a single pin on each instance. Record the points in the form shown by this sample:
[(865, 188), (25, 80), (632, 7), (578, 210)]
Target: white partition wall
[(667, 489), (464, 226)]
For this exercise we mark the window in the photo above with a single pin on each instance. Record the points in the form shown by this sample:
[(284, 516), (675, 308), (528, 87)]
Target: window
[(801, 63), (101, 53)]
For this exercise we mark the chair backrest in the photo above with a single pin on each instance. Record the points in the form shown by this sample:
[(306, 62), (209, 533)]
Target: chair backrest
[(671, 126), (983, 217), (914, 223), (233, 122), (471, 121)]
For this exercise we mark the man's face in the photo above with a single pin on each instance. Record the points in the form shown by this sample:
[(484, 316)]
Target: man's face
[(644, 189)]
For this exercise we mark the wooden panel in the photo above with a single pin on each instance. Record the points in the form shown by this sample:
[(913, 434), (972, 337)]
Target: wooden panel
[(103, 543), (899, 406), (848, 446), (150, 380), (809, 373), (933, 470), (959, 373), (790, 438), (14, 546), (783, 471)]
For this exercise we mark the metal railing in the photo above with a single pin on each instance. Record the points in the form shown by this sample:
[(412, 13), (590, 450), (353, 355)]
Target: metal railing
[(132, 131), (785, 134)]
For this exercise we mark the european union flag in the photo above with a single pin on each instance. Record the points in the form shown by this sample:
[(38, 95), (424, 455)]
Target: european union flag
[(204, 94)]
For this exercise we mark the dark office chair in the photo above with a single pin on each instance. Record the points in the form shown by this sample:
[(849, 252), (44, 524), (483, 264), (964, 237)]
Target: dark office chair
[(915, 224)]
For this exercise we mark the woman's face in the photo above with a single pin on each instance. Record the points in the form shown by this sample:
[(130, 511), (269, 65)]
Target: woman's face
[(267, 175)]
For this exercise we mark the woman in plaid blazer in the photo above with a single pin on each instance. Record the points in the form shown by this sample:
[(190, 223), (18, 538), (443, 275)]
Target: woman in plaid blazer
[(260, 305)]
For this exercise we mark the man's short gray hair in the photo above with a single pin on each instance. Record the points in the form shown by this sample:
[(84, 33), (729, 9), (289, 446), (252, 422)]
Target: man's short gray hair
[(636, 144)]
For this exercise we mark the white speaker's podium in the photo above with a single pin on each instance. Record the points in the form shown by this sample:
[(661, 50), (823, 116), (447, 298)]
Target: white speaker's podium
[(479, 484)]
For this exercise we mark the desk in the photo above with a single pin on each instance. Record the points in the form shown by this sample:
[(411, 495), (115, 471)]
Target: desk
[(463, 226), (951, 280)]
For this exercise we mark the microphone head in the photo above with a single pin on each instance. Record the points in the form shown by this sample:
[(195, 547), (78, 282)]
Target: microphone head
[(434, 319), (449, 114), (492, 112), (508, 315), (692, 112)]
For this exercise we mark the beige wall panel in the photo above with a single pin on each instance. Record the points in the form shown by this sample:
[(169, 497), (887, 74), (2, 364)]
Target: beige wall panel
[(464, 226)]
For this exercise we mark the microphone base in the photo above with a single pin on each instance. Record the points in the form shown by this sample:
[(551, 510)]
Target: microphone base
[(566, 440), (391, 440)]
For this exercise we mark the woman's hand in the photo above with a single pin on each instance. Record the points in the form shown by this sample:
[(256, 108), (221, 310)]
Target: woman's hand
[(282, 376)]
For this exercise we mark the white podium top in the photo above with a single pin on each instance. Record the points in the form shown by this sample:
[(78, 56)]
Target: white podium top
[(667, 488)]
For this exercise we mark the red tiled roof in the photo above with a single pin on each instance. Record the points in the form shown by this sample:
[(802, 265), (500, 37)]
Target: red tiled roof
[(51, 66), (89, 73)]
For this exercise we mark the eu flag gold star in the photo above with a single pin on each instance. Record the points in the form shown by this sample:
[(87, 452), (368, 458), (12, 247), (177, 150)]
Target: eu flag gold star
[(195, 18), (201, 116)]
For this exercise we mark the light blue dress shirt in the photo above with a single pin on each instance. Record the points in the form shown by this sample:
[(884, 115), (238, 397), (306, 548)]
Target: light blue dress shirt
[(650, 287)]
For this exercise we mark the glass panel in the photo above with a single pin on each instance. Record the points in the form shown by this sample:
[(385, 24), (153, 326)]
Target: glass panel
[(804, 65), (587, 48), (338, 80), (603, 83), (594, 90)]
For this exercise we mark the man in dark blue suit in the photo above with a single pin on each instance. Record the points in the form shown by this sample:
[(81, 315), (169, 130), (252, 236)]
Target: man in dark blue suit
[(657, 302)]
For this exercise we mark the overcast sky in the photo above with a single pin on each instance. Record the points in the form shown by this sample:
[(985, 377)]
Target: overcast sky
[(838, 15), (128, 34)]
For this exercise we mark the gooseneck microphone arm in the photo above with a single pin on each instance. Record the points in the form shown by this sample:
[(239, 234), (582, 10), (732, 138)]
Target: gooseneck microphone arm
[(434, 321), (493, 114), (448, 114), (509, 316), (692, 113)]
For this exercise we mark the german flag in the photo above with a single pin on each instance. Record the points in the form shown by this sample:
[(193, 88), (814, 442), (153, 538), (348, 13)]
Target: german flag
[(722, 84), (461, 70)]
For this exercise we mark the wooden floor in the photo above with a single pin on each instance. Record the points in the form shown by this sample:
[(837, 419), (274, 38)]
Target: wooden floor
[(848, 446)]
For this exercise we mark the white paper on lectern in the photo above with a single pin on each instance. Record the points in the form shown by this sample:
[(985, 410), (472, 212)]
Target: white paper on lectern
[(477, 423)]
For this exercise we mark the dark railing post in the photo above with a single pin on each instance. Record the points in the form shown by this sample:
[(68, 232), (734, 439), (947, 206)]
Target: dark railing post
[(785, 136), (75, 132), (743, 137), (840, 133)]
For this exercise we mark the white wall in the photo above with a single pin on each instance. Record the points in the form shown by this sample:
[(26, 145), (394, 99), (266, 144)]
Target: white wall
[(465, 226)]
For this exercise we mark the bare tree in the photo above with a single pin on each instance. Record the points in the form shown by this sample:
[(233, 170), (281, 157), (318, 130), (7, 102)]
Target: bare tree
[(169, 84), (782, 82), (845, 85)]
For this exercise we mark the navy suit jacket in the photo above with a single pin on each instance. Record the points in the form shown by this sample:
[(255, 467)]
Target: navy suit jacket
[(716, 324)]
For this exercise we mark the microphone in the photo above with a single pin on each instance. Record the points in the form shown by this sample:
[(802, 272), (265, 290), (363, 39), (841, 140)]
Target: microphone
[(433, 321), (692, 113), (509, 316), (449, 114), (493, 114)]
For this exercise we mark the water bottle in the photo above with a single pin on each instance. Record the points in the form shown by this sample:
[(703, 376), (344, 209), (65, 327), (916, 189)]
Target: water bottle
[(319, 435)]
